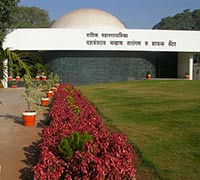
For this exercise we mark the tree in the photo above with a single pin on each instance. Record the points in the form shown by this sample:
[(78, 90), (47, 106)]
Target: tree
[(182, 21), (7, 10), (31, 17), (12, 16), (196, 16)]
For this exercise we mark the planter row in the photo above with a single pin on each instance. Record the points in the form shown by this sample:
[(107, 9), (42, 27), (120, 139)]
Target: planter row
[(18, 81), (106, 156), (18, 78)]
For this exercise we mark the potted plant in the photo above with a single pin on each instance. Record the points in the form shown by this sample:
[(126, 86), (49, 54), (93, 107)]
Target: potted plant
[(10, 78), (57, 80), (31, 94), (47, 88), (53, 79), (46, 94), (13, 84), (148, 75), (44, 78), (187, 77), (17, 78), (40, 71), (45, 101), (16, 70), (1, 86), (41, 92)]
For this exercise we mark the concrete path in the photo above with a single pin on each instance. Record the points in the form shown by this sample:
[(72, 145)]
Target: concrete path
[(17, 142)]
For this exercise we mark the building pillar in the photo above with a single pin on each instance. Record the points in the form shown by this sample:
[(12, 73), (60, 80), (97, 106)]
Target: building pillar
[(5, 74), (191, 67)]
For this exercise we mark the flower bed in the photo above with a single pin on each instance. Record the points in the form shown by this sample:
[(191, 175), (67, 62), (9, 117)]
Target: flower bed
[(105, 156)]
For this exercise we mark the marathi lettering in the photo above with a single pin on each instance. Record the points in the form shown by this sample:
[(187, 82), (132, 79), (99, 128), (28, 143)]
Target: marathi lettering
[(114, 35), (158, 43), (91, 34), (119, 39), (116, 43), (134, 43), (95, 42), (171, 43)]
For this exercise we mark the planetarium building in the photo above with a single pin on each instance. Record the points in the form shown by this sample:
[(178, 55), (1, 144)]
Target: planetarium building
[(90, 46)]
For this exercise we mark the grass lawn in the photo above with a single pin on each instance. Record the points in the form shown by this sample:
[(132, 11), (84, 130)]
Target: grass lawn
[(160, 118)]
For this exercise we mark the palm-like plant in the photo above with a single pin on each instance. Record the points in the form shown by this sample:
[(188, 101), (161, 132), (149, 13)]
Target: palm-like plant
[(39, 68), (6, 54), (16, 69)]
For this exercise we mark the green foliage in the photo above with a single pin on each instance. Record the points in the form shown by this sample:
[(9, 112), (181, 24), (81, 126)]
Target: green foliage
[(196, 18), (7, 10), (56, 79), (70, 101), (75, 142), (29, 91), (32, 93), (31, 59), (15, 68), (148, 73), (69, 88), (77, 110), (39, 67), (53, 79), (15, 59), (32, 17), (71, 104), (182, 21)]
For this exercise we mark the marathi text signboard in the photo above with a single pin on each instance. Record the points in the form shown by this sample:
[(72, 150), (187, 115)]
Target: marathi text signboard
[(97, 39), (124, 39)]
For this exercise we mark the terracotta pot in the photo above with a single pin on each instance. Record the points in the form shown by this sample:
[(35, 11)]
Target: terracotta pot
[(10, 78), (29, 118), (13, 86), (17, 78), (54, 89), (45, 101), (44, 78), (50, 94), (148, 76), (57, 86), (187, 77), (37, 78)]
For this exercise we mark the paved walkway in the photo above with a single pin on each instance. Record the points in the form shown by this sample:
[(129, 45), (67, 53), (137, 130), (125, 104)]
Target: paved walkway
[(17, 142)]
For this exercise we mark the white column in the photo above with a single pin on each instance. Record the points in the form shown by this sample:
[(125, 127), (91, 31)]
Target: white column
[(5, 74), (191, 67)]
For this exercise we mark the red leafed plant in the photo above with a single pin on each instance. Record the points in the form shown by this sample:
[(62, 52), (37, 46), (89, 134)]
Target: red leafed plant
[(107, 156)]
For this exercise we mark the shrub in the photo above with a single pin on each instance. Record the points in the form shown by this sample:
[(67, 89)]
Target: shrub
[(99, 155), (75, 142)]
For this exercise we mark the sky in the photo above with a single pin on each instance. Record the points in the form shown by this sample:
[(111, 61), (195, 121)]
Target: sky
[(135, 14)]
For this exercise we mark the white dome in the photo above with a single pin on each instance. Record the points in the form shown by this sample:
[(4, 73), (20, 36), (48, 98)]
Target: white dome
[(88, 18)]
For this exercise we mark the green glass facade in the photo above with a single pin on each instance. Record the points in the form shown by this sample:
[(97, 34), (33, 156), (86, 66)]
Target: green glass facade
[(88, 67)]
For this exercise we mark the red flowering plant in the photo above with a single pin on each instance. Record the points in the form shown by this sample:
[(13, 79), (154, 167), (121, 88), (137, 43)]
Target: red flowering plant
[(77, 145)]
